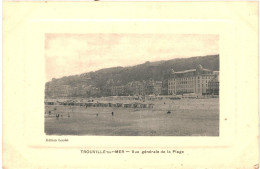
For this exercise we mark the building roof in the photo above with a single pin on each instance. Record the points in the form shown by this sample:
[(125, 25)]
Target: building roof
[(199, 68), (186, 71)]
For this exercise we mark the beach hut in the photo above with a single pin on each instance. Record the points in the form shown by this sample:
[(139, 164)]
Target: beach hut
[(143, 105), (119, 104), (127, 105), (150, 105), (113, 105), (49, 103)]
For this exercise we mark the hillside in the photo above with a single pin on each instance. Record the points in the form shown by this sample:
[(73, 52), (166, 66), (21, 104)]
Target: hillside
[(123, 75)]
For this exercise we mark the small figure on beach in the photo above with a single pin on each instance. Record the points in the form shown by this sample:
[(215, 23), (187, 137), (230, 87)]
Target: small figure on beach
[(112, 113), (168, 112), (97, 114), (68, 115), (49, 112)]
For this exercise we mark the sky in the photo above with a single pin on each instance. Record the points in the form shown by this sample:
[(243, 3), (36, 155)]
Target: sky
[(71, 54)]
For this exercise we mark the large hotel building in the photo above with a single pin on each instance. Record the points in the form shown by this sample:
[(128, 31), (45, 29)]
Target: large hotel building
[(191, 81)]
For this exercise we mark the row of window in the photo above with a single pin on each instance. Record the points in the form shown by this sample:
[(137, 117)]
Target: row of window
[(187, 86), (193, 78), (182, 91)]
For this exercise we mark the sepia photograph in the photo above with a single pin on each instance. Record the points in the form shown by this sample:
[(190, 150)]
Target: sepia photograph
[(132, 84)]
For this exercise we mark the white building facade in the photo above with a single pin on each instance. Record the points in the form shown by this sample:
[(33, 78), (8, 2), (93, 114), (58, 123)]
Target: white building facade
[(189, 81)]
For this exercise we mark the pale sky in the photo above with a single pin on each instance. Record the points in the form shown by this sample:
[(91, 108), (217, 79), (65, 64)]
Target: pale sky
[(71, 54)]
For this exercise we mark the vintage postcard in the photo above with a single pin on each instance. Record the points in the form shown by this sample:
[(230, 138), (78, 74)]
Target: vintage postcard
[(130, 84)]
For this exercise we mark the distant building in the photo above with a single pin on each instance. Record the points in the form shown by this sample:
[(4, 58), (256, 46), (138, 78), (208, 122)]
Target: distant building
[(60, 90), (215, 72), (157, 87), (117, 90), (93, 91), (165, 86), (149, 87), (138, 88), (190, 81), (213, 86)]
